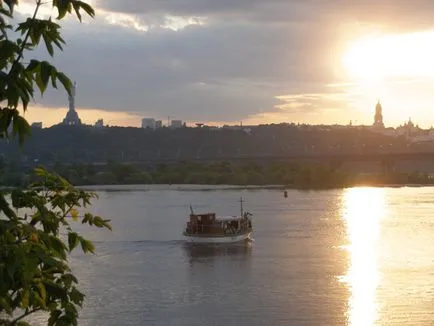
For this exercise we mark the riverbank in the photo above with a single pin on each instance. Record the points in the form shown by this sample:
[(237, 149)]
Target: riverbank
[(224, 174), (195, 187)]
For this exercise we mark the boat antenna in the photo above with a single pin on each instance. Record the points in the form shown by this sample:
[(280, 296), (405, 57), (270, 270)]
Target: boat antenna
[(191, 210), (241, 202)]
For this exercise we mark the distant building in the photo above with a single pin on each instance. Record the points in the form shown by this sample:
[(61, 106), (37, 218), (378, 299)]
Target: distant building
[(236, 127), (378, 117), (176, 124), (410, 130), (427, 136), (158, 124), (148, 123), (37, 125), (72, 118), (99, 123)]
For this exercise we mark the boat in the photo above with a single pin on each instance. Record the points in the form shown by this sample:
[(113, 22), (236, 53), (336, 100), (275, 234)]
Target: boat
[(210, 228)]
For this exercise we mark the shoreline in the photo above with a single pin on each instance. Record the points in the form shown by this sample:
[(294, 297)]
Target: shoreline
[(212, 187)]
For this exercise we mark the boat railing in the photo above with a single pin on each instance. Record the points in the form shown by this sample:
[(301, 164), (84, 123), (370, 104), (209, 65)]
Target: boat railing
[(218, 228)]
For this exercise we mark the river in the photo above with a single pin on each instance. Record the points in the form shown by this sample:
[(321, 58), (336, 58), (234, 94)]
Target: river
[(359, 256)]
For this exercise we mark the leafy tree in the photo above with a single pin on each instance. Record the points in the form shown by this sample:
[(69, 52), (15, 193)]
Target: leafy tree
[(34, 270), (122, 171), (105, 178), (139, 178)]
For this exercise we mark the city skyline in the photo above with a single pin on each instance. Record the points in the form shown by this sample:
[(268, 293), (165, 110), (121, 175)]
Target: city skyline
[(376, 117), (246, 61)]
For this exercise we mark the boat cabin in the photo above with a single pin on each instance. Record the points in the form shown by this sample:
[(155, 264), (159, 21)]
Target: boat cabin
[(211, 225)]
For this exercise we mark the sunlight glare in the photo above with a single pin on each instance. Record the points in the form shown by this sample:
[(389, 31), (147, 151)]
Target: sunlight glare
[(363, 208), (377, 58)]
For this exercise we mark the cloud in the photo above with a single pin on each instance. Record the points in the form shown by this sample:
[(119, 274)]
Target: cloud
[(226, 60), (387, 12), (199, 73)]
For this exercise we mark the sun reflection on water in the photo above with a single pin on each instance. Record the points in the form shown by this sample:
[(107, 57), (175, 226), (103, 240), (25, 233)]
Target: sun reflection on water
[(363, 208)]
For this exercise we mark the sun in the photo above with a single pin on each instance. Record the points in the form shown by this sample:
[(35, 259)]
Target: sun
[(399, 56)]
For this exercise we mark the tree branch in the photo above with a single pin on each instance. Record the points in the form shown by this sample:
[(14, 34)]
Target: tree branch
[(13, 322), (26, 38)]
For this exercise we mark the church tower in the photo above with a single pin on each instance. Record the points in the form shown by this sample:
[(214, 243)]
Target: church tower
[(72, 118), (378, 118)]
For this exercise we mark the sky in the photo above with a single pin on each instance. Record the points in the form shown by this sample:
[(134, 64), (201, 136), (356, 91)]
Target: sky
[(250, 61)]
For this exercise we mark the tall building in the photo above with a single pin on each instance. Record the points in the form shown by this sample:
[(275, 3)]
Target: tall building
[(148, 123), (72, 118), (176, 124), (378, 118), (99, 123), (158, 124)]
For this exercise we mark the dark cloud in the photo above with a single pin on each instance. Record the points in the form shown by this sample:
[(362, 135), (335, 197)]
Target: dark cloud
[(397, 13), (183, 7), (219, 72), (249, 52)]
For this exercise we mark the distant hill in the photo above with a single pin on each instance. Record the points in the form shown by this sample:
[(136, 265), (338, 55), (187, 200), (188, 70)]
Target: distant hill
[(299, 156), (85, 144)]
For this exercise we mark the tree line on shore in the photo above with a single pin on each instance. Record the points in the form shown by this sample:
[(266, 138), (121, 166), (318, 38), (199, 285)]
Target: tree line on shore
[(292, 175), (85, 144)]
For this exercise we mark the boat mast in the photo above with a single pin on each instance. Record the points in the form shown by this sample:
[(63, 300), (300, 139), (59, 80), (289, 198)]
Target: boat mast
[(241, 202)]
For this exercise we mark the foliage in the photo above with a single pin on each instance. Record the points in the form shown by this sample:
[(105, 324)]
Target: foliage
[(218, 173), (18, 80), (300, 176), (35, 231), (33, 254), (87, 144), (294, 175)]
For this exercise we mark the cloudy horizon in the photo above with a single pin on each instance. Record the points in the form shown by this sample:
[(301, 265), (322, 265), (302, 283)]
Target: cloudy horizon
[(310, 61)]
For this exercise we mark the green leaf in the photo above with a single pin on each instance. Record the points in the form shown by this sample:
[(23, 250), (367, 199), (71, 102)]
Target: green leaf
[(5, 305), (63, 6), (40, 172), (11, 270), (5, 208), (87, 246), (48, 44), (34, 267), (21, 128), (25, 299), (42, 291), (11, 4), (87, 8), (58, 246), (76, 296), (66, 82), (53, 77), (44, 76), (54, 316), (76, 6), (98, 221), (69, 279), (33, 66), (6, 13), (55, 290), (23, 323), (72, 240)]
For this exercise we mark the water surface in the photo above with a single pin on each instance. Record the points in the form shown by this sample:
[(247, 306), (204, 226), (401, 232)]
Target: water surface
[(361, 256)]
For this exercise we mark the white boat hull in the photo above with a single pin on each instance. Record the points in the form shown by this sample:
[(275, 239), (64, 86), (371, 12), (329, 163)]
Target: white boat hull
[(224, 239)]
